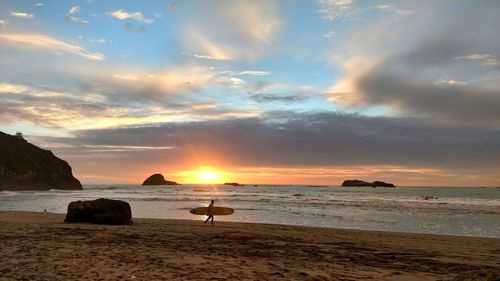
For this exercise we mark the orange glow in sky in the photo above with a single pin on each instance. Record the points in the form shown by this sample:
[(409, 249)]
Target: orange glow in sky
[(202, 175), (207, 175)]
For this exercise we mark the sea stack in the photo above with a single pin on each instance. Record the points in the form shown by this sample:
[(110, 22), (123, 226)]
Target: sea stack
[(233, 184), (24, 166), (158, 179), (359, 183)]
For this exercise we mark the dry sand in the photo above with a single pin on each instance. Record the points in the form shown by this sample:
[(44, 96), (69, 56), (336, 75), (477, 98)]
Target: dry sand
[(39, 246)]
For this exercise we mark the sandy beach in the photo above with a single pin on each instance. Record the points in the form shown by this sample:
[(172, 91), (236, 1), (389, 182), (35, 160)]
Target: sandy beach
[(39, 246)]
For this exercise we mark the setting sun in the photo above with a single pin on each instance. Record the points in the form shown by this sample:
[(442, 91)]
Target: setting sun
[(206, 176), (202, 175)]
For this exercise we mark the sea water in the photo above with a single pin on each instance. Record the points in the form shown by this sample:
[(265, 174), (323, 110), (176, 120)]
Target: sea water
[(465, 211)]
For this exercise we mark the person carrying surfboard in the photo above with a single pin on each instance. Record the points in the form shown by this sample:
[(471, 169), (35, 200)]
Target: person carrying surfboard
[(210, 212)]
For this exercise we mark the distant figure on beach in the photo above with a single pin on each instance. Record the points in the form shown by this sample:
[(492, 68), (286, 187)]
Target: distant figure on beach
[(210, 212)]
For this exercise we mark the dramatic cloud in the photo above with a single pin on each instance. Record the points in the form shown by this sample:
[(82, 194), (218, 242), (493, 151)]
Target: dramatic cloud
[(22, 15), (445, 102), (46, 42), (113, 97), (325, 139), (54, 108), (432, 77), (123, 15), (327, 89)]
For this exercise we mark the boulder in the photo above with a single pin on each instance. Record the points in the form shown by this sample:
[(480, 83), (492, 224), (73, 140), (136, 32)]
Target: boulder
[(24, 166), (100, 211), (158, 179)]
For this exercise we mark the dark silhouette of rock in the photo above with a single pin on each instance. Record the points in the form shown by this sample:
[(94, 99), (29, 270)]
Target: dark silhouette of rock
[(382, 184), (24, 166), (158, 179), (368, 184), (233, 184), (100, 211), (356, 183)]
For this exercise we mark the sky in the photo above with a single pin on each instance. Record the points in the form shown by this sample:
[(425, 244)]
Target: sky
[(276, 92)]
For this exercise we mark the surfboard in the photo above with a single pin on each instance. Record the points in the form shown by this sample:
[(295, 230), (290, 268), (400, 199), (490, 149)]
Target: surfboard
[(216, 211)]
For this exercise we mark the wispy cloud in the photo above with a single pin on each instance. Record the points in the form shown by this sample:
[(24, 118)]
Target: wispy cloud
[(12, 88), (3, 22), (246, 72), (335, 9), (22, 15), (329, 34), (216, 57), (485, 59), (123, 15), (76, 20), (236, 81), (395, 10), (233, 30), (256, 20), (99, 40), (207, 48), (74, 10), (43, 41), (273, 98), (254, 73), (173, 5), (132, 28), (172, 81), (450, 82)]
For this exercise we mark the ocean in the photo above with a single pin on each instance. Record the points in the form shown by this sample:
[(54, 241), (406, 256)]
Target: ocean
[(463, 211)]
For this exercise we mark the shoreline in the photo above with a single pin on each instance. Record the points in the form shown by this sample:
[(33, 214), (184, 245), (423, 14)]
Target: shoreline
[(39, 246), (271, 224), (264, 224)]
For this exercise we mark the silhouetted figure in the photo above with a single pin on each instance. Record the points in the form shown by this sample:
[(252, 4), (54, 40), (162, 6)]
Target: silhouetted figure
[(210, 214)]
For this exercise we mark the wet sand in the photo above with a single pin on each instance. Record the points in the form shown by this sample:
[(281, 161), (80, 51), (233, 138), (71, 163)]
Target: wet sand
[(39, 246)]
